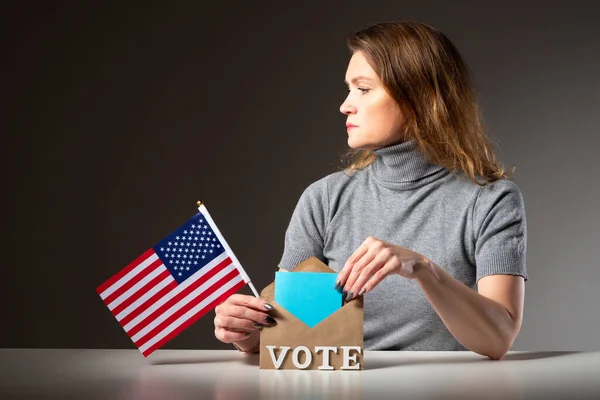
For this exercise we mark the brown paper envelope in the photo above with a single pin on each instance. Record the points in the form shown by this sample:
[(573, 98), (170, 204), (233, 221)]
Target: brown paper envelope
[(342, 328)]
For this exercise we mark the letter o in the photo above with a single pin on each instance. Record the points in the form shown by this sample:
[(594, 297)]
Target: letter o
[(296, 358)]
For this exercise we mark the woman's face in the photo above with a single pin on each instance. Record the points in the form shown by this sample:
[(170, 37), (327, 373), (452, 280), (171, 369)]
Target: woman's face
[(374, 119)]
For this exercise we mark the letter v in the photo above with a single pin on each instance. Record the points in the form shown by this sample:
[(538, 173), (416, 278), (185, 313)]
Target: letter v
[(278, 361)]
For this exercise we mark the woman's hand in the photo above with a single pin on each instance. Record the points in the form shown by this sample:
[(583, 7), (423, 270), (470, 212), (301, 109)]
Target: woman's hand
[(374, 260), (238, 317)]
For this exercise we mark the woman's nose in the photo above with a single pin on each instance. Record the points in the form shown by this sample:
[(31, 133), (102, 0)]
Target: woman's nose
[(346, 108)]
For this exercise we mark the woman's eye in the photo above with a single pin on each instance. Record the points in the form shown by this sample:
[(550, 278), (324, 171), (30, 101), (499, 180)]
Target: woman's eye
[(362, 90)]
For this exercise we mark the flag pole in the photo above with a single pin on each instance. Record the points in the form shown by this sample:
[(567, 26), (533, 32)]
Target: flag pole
[(199, 203)]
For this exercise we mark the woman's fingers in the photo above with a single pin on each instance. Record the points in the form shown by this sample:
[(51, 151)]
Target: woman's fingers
[(358, 287), (236, 324), (239, 316), (242, 312), (363, 255), (355, 257), (229, 336), (357, 271), (249, 301)]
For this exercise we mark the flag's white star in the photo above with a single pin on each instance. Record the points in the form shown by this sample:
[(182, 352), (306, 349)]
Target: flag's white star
[(204, 232), (203, 256), (170, 261), (205, 250), (193, 226), (195, 262), (184, 256), (197, 232), (219, 246), (193, 244), (205, 226), (178, 255), (176, 261), (186, 250), (187, 268), (202, 238), (206, 245), (168, 249), (210, 251), (188, 243), (193, 250), (169, 243), (175, 268), (212, 245), (195, 237), (214, 239), (180, 274), (176, 243), (176, 237), (210, 233), (189, 262), (162, 249), (185, 232), (180, 249)]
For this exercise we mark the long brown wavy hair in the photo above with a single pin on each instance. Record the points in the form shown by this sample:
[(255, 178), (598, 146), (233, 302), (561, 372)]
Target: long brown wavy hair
[(426, 75)]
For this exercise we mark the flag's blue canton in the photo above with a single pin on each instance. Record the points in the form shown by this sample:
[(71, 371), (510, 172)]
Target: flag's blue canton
[(189, 248)]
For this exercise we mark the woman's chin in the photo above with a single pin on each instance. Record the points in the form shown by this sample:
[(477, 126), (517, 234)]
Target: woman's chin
[(359, 145), (355, 144)]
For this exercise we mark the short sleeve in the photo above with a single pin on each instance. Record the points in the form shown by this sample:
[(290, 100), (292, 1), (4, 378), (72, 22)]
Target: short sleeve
[(305, 235), (500, 230)]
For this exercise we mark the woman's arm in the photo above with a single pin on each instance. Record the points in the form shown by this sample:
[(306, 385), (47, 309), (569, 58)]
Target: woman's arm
[(486, 322)]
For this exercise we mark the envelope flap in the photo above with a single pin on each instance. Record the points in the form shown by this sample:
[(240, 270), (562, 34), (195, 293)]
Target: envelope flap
[(311, 264)]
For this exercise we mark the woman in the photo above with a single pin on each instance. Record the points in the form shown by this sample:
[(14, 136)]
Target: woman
[(424, 223)]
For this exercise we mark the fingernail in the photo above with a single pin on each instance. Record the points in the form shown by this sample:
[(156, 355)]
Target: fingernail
[(270, 320), (350, 295), (362, 291), (256, 325), (344, 293), (337, 284), (268, 306)]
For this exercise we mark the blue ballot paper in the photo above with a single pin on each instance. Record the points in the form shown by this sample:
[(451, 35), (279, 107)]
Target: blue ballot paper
[(309, 296)]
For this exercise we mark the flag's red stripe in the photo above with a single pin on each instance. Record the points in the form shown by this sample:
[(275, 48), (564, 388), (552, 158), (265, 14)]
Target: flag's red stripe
[(142, 307), (216, 269), (194, 318), (187, 307), (134, 280), (142, 291), (124, 271)]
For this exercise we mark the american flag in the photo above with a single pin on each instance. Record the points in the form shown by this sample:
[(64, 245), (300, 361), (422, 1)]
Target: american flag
[(174, 283)]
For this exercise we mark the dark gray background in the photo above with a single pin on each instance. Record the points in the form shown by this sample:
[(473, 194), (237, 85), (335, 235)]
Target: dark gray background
[(116, 119)]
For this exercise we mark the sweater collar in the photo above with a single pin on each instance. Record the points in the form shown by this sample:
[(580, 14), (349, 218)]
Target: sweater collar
[(403, 165)]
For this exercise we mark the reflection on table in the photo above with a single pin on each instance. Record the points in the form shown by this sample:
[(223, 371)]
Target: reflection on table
[(228, 374)]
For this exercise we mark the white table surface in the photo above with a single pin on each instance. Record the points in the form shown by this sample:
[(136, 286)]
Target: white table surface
[(228, 374)]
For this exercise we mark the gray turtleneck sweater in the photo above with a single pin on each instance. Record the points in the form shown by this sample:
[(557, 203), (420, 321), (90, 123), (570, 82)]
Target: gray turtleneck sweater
[(469, 230)]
